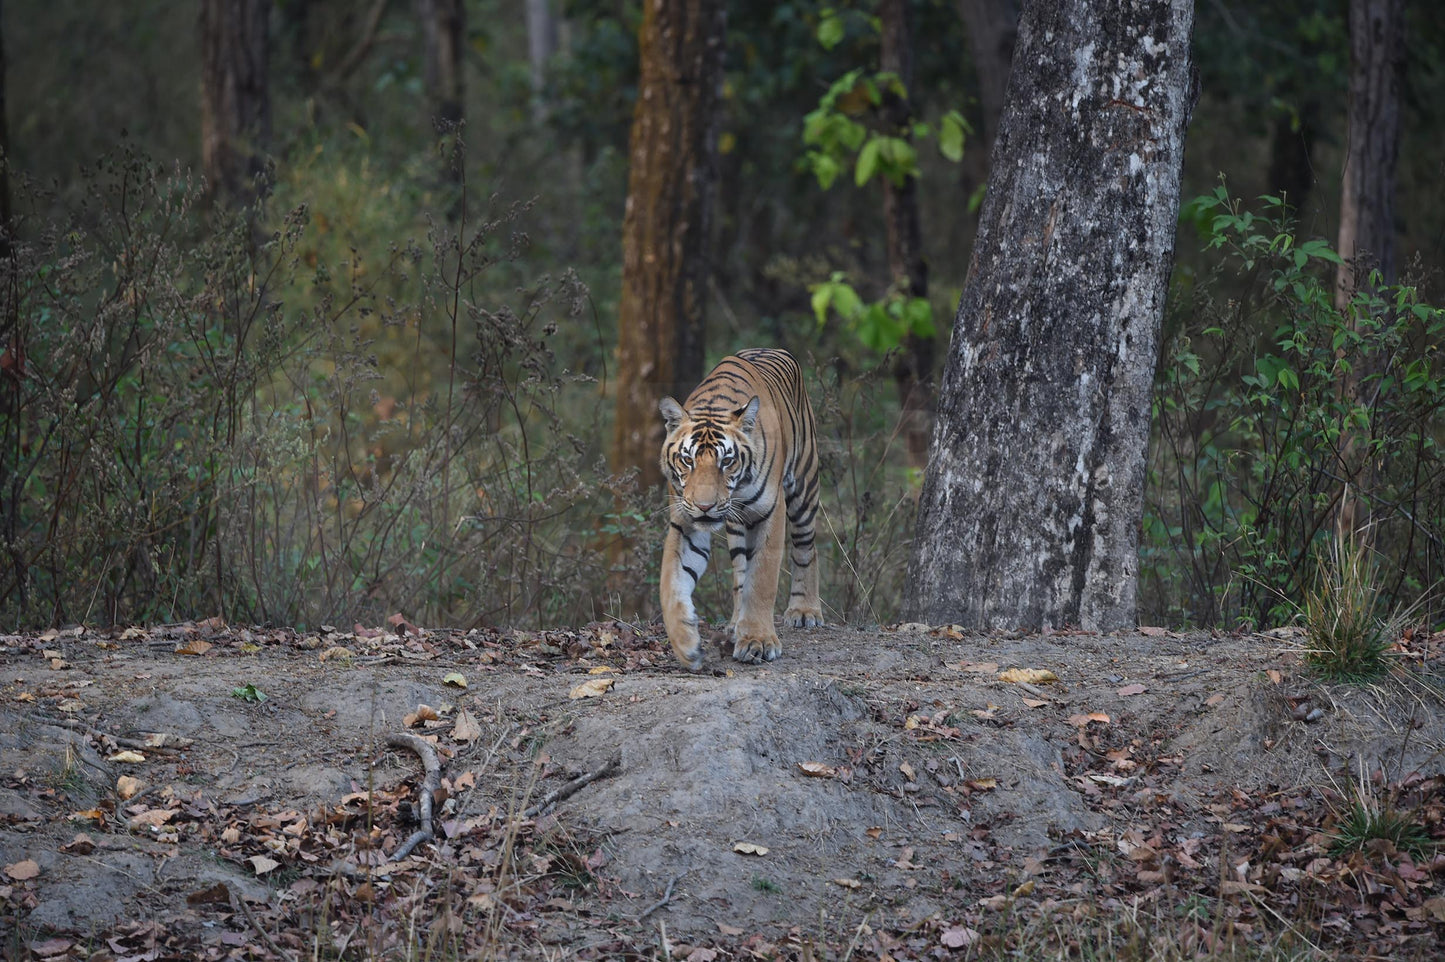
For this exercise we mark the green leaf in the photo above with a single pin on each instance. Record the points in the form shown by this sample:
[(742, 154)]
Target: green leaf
[(867, 161), (951, 131), (918, 317), (831, 29)]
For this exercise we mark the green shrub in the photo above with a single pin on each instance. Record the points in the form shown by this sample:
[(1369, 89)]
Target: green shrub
[(1258, 433)]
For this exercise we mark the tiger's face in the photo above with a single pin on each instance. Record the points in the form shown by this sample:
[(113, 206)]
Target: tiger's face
[(707, 458)]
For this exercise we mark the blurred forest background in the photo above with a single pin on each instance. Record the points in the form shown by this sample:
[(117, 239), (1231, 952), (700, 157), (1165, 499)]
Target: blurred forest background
[(381, 379)]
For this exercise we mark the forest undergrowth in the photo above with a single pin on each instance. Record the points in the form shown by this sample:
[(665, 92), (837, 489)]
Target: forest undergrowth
[(304, 416)]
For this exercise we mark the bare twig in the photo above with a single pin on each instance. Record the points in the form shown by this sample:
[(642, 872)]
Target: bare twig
[(573, 787), (239, 901), (666, 896), (429, 786)]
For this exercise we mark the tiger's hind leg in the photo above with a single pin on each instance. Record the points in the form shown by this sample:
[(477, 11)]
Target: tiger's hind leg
[(805, 608)]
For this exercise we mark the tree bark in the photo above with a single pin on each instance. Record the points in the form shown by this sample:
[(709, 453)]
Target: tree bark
[(235, 98), (1029, 513), (5, 226), (443, 26), (667, 222), (913, 371), (992, 27), (541, 45), (1367, 200), (1372, 144)]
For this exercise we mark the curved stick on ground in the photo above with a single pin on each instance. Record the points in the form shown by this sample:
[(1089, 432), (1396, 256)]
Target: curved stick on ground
[(574, 786), (429, 786)]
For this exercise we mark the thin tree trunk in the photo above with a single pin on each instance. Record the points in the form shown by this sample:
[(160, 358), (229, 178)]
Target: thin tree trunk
[(667, 222), (992, 27), (5, 212), (443, 27), (913, 371), (541, 45), (1367, 198), (235, 97), (1029, 514), (1372, 145)]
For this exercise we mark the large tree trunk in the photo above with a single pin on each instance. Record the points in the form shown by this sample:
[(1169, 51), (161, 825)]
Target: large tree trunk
[(235, 97), (1029, 514), (443, 27), (913, 371), (1372, 144), (667, 222)]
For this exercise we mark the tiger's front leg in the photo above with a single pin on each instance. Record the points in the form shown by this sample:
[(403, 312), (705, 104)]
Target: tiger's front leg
[(684, 559), (755, 640)]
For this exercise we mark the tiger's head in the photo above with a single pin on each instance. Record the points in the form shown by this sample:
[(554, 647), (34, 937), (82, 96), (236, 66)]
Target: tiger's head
[(706, 457)]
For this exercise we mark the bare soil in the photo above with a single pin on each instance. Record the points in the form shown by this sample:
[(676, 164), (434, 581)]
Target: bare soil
[(876, 791)]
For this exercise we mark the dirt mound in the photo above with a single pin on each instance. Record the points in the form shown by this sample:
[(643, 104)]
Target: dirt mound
[(884, 781)]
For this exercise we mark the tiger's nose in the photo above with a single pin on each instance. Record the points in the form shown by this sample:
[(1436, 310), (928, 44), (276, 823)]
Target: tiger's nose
[(705, 508)]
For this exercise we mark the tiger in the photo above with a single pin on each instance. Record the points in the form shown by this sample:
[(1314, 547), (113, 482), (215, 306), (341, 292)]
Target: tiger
[(741, 448)]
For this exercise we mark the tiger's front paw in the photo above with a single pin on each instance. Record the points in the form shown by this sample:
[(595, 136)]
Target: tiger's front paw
[(755, 649), (687, 646), (804, 616)]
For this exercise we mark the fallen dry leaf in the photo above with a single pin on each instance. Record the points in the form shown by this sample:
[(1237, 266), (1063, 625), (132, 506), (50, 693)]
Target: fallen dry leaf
[(82, 844), (466, 728), (1079, 721), (1274, 675), (260, 864), (601, 670), (749, 848), (1026, 888), (726, 929), (337, 653), (1214, 699), (423, 713), (848, 883), (126, 786), (1134, 689), (1029, 676), (982, 784), (195, 647), (592, 689), (817, 769), (129, 756), (455, 679), (1152, 631), (958, 937), (22, 871), (152, 817), (1035, 702)]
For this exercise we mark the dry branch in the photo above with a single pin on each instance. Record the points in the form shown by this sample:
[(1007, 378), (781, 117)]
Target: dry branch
[(238, 901), (574, 786), (429, 786)]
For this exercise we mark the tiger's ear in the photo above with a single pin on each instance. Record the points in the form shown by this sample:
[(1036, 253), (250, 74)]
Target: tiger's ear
[(672, 413), (748, 416)]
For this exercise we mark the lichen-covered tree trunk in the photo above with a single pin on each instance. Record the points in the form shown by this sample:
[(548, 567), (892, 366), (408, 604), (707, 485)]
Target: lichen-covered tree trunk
[(235, 97), (665, 227), (913, 370), (1030, 508)]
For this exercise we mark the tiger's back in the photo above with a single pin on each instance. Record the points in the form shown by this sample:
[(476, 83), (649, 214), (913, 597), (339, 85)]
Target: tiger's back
[(741, 456)]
